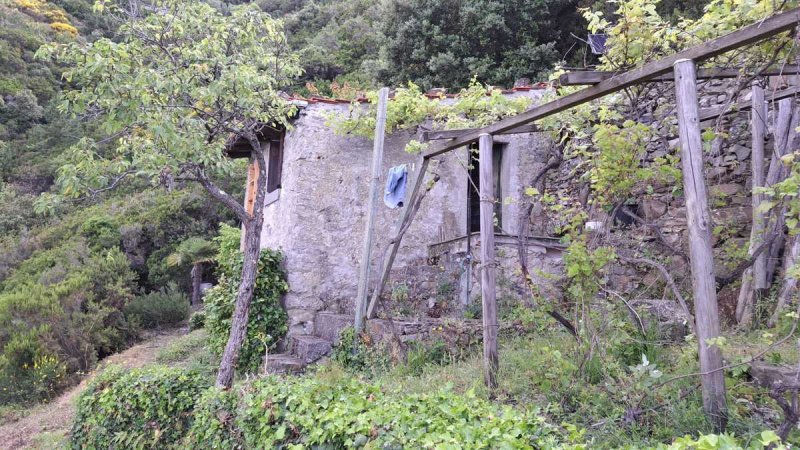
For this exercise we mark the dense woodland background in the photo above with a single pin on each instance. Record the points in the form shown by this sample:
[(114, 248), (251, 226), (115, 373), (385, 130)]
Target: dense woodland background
[(83, 279)]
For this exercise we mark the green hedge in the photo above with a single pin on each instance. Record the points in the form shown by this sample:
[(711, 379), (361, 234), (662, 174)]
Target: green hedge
[(162, 408), (137, 409), (347, 413)]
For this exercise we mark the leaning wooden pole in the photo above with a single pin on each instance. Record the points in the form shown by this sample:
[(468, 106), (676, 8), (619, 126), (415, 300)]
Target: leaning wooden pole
[(488, 294), (702, 261), (408, 216), (372, 209), (755, 278)]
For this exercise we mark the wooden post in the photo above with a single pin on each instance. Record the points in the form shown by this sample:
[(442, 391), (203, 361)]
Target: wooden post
[(759, 131), (702, 261), (488, 295), (753, 288), (372, 207)]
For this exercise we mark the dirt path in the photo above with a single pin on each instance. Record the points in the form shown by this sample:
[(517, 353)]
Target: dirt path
[(56, 417)]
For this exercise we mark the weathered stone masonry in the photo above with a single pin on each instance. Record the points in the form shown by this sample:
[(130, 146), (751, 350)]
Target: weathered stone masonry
[(317, 218)]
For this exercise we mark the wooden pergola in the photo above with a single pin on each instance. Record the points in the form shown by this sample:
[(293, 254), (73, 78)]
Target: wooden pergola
[(679, 68)]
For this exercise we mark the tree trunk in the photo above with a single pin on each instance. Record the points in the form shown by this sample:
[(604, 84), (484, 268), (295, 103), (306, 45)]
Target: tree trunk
[(197, 280), (252, 250)]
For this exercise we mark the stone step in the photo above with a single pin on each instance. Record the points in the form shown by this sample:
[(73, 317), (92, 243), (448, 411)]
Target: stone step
[(310, 348), (285, 363), (329, 325)]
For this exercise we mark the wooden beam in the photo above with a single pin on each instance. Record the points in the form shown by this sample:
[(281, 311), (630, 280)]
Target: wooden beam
[(591, 77), (372, 210), (488, 282), (716, 111), (452, 134), (743, 36), (706, 114), (698, 219)]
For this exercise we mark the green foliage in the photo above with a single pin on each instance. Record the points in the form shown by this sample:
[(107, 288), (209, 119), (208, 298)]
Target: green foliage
[(637, 33), (445, 44), (584, 266), (69, 281), (192, 251), (358, 354), (29, 372), (225, 70), (618, 164), (346, 413), (339, 40), (267, 321), (166, 306), (72, 297), (477, 105), (197, 320), (139, 409)]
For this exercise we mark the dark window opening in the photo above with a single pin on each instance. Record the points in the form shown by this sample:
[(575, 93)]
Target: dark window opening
[(274, 165), (474, 185)]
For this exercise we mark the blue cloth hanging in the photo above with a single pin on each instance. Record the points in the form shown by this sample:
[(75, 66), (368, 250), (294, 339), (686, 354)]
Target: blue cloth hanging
[(396, 182)]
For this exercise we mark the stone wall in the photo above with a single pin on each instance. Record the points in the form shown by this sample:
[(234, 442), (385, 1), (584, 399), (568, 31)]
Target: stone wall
[(318, 219)]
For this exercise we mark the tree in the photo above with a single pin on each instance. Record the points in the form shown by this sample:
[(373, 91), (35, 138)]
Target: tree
[(195, 252), (180, 83), (446, 43)]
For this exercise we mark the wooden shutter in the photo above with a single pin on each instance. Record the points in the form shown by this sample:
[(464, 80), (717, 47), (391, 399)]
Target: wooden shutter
[(252, 179)]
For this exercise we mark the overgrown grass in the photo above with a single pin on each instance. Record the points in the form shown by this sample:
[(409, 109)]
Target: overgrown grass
[(617, 405), (191, 352)]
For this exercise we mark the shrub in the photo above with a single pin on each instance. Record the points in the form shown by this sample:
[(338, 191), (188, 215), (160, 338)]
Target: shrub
[(141, 408), (347, 413), (164, 307), (266, 323), (29, 372), (197, 321), (355, 354)]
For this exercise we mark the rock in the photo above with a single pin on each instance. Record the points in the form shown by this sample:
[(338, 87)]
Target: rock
[(716, 172), (653, 209), (310, 348), (329, 325), (673, 143), (742, 152), (283, 363), (670, 320), (726, 190), (770, 375)]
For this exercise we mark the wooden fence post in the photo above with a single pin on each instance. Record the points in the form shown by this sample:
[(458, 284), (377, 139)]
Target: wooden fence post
[(754, 279), (488, 295), (759, 132), (372, 206), (702, 261)]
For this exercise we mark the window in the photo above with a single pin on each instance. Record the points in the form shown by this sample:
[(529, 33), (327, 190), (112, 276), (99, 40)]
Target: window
[(473, 188), (274, 165)]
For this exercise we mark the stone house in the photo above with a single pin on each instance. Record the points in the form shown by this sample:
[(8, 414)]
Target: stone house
[(316, 210)]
